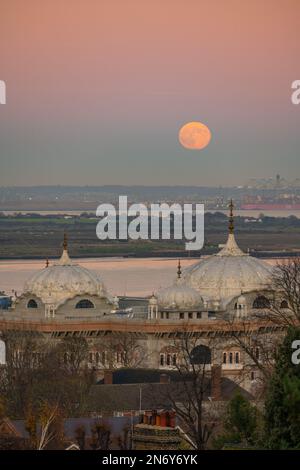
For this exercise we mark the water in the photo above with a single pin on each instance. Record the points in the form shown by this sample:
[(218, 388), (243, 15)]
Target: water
[(121, 276)]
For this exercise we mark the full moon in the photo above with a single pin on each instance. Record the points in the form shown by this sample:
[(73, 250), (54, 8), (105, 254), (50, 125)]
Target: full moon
[(194, 136)]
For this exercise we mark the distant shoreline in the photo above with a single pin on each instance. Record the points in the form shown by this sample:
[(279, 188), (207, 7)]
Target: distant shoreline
[(238, 212), (36, 236), (163, 257)]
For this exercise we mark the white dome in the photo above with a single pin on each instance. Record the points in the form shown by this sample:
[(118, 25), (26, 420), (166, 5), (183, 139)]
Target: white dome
[(179, 296), (64, 280), (228, 273)]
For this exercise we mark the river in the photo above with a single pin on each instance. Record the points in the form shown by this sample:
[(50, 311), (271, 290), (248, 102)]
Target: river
[(121, 276)]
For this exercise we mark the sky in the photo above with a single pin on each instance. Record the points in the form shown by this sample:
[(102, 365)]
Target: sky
[(97, 91)]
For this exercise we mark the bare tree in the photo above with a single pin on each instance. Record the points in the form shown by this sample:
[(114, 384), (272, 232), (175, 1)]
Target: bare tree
[(285, 308), (188, 398), (44, 425), (48, 432), (80, 436), (122, 349), (74, 351), (260, 333), (257, 344), (35, 371), (125, 439), (23, 353), (100, 437)]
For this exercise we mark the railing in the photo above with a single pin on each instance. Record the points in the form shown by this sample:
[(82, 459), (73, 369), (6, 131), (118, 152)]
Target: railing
[(232, 366), (138, 325)]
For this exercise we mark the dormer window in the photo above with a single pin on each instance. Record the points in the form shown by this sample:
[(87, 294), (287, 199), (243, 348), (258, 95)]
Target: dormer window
[(32, 304), (261, 302), (85, 303)]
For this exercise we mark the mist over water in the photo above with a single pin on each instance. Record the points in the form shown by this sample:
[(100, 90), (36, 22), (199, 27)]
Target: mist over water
[(121, 276)]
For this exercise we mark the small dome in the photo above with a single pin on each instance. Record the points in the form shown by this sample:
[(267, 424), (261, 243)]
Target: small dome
[(179, 296), (64, 280), (153, 300)]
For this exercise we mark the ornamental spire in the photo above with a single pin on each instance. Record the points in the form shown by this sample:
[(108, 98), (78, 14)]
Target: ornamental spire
[(65, 242), (64, 259), (231, 217), (231, 248), (179, 270)]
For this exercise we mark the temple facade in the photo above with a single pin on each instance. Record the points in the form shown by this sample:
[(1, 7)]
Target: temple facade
[(218, 300)]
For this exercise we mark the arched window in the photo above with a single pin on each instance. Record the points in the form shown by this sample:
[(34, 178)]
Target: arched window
[(284, 304), (174, 359), (168, 359), (32, 304), (201, 355), (103, 358), (231, 357), (119, 357), (85, 303), (261, 302), (97, 358), (162, 359)]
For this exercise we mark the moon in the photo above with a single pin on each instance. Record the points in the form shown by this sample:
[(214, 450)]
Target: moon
[(194, 136)]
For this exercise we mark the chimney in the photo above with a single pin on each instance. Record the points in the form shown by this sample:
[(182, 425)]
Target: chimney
[(156, 431), (108, 377), (163, 419), (216, 379)]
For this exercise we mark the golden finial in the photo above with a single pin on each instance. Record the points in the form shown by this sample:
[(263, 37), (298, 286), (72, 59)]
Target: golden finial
[(179, 270), (47, 262), (231, 217), (65, 243)]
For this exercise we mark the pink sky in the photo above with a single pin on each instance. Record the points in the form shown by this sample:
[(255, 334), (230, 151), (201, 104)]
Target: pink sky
[(97, 90)]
